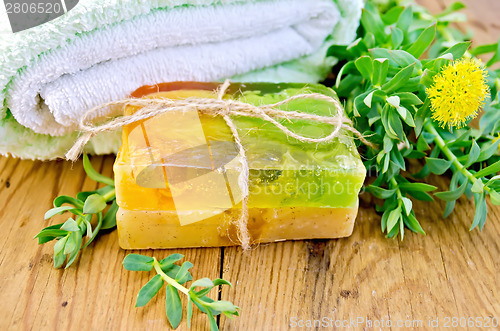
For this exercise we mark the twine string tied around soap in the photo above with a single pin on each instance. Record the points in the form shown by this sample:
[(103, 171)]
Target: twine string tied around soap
[(225, 108)]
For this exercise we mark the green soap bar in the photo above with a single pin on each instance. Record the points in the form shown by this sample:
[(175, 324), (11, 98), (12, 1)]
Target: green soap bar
[(284, 172)]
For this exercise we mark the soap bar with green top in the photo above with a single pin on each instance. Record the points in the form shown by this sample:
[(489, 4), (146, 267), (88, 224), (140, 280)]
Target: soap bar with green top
[(177, 173)]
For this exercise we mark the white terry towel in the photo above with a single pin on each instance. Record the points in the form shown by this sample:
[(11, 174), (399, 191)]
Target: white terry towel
[(103, 50)]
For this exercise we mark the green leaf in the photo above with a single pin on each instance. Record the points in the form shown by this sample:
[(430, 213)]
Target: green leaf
[(347, 68), (399, 80), (437, 166), (357, 47), (89, 226), (395, 125), (105, 191), (379, 192), (223, 306), (60, 244), (380, 70), (348, 84), (173, 306), (94, 204), (448, 209), (397, 37), (169, 260), (408, 98), (415, 155), (183, 271), (77, 238), (45, 239), (373, 23), (365, 66), (452, 18), (492, 169), (495, 197), (62, 199), (57, 210), (398, 159), (458, 50), (136, 262), (419, 195), (172, 271), (219, 281), (421, 187), (149, 290), (407, 205), (109, 220), (422, 145), (451, 8), (478, 186), (383, 221), (92, 173), (82, 196), (397, 58), (495, 58), (388, 145), (453, 194), (421, 115), (405, 19), (339, 51), (394, 101), (484, 49), (203, 282), (203, 292), (406, 116), (488, 150), (96, 230), (71, 243), (393, 219), (423, 41), (213, 323), (59, 259), (189, 310), (367, 100), (70, 225), (473, 154), (392, 15), (412, 223), (51, 232), (369, 39), (481, 211)]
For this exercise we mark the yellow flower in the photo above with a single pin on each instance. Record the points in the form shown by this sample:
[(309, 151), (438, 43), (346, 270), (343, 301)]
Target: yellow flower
[(458, 92)]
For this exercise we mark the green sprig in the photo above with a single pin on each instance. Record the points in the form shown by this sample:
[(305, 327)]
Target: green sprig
[(175, 276), (78, 232), (383, 78)]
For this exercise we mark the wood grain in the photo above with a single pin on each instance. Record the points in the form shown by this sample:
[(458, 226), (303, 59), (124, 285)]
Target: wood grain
[(448, 272), (97, 293)]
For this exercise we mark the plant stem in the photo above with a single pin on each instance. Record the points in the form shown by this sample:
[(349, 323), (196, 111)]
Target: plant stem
[(449, 154), (395, 184), (169, 280), (109, 195)]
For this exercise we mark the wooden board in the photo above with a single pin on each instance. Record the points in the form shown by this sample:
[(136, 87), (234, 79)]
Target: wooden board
[(450, 272)]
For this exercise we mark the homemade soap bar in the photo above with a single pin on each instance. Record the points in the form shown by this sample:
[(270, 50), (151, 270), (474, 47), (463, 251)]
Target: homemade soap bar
[(177, 174)]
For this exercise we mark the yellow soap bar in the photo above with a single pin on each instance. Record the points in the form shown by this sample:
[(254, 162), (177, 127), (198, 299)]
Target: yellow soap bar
[(160, 229)]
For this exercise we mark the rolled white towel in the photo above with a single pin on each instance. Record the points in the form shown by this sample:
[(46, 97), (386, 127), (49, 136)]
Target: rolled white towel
[(94, 55)]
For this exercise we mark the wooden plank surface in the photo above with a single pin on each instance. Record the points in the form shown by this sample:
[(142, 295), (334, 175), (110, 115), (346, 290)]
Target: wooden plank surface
[(450, 272)]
